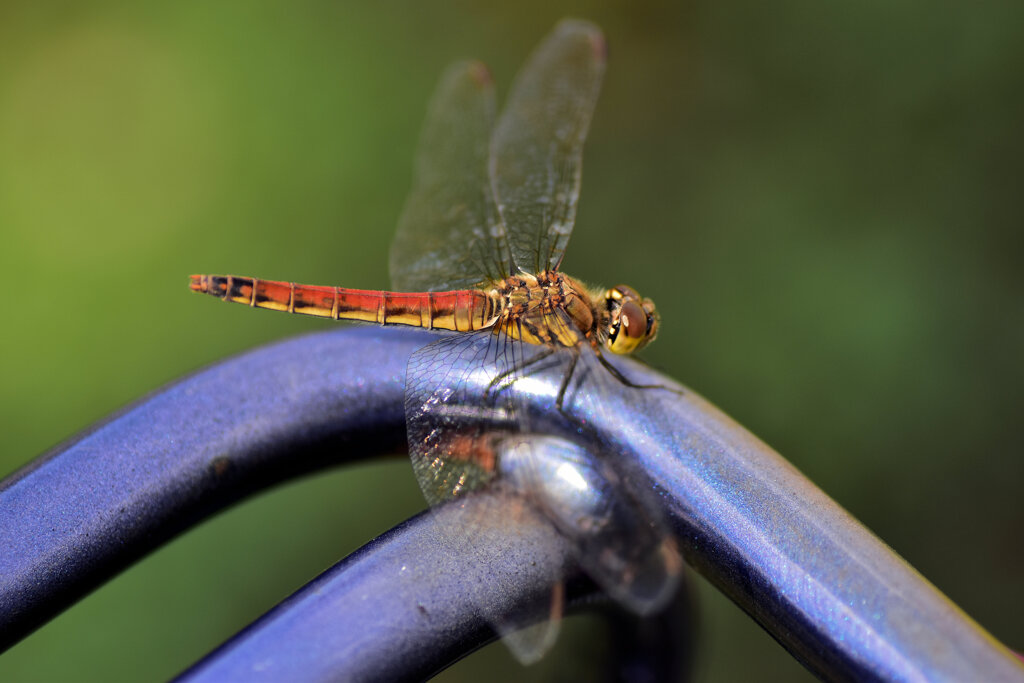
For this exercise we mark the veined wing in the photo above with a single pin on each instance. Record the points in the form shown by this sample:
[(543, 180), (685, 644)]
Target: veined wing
[(537, 147), (481, 414), (460, 397), (462, 406), (445, 233)]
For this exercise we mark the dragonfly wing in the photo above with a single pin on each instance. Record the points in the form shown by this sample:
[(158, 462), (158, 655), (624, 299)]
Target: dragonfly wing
[(623, 542), (531, 642), (537, 146), (463, 397), (464, 412), (491, 529), (448, 430), (480, 411), (445, 233)]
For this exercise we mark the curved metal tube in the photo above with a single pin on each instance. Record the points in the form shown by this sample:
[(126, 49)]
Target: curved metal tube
[(398, 609), (834, 595), (77, 515)]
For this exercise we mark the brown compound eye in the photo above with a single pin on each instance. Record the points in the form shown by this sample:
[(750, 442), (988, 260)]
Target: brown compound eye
[(626, 292), (633, 320)]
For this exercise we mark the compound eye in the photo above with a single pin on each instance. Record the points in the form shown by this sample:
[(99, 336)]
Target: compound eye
[(633, 320), (625, 292)]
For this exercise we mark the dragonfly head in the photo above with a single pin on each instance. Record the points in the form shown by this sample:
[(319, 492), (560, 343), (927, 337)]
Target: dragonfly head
[(632, 320)]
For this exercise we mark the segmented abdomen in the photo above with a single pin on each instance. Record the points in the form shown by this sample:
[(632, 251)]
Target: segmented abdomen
[(462, 310)]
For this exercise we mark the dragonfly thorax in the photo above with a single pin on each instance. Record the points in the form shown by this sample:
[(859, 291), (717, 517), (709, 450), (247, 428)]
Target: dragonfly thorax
[(551, 308), (548, 308)]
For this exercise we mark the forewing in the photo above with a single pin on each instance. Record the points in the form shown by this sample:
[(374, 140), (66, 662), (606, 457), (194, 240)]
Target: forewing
[(445, 233), (537, 146)]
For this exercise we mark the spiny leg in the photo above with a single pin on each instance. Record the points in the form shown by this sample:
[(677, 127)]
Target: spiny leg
[(617, 374), (564, 330), (566, 378), (515, 369)]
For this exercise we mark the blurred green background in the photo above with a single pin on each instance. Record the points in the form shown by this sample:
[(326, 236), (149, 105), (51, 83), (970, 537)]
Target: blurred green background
[(825, 202)]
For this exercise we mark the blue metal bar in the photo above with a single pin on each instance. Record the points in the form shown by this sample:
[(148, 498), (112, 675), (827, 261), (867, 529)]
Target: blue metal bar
[(76, 516), (834, 595), (398, 609)]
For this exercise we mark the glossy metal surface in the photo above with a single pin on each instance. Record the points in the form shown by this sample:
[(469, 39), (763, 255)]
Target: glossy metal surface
[(826, 588), (74, 517), (401, 608), (839, 599)]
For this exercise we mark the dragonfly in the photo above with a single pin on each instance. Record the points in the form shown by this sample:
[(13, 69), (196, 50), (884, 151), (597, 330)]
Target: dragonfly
[(477, 253)]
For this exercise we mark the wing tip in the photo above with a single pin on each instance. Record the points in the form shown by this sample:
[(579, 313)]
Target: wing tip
[(466, 72), (480, 74), (587, 30)]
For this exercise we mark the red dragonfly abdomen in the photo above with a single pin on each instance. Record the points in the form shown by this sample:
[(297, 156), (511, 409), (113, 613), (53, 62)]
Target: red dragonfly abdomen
[(461, 310)]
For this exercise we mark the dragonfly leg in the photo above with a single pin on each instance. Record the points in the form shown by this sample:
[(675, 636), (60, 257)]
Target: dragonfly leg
[(500, 379), (617, 374), (566, 378)]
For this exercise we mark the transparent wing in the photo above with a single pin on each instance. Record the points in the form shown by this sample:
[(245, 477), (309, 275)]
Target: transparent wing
[(618, 532), (482, 412), (537, 146), (461, 400), (445, 233), (462, 407)]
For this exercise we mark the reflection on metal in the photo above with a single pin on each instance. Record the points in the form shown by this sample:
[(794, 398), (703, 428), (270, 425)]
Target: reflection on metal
[(616, 532), (612, 530)]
